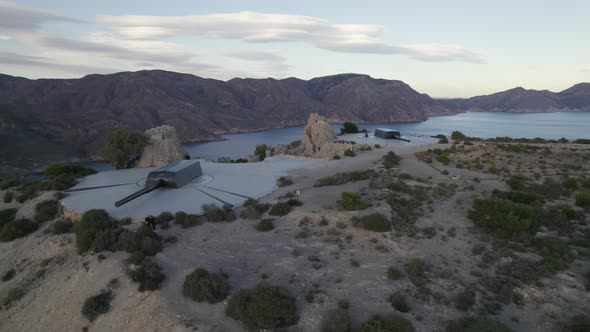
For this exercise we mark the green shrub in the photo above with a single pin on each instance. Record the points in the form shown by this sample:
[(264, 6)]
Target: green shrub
[(46, 210), (345, 177), (202, 286), (263, 307), (62, 227), (13, 295), (186, 220), (265, 225), (27, 193), (457, 136), (121, 144), (442, 139), (523, 197), (349, 153), (583, 199), (92, 223), (393, 273), (67, 169), (416, 271), (6, 216), (148, 274), (16, 229), (217, 214), (571, 183), (555, 252), (502, 214), (335, 320), (443, 158), (349, 128), (11, 183), (476, 324), (294, 202), (60, 182), (164, 217), (464, 300), (351, 201), (389, 323), (8, 196), (280, 209), (8, 275), (398, 302), (144, 240), (517, 182), (390, 160), (284, 181), (376, 222), (578, 323), (260, 151), (97, 305)]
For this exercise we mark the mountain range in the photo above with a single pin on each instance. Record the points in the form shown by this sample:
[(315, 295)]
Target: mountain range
[(47, 120)]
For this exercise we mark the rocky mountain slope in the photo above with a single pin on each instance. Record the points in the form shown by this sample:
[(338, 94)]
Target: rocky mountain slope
[(48, 120), (576, 98), (74, 116)]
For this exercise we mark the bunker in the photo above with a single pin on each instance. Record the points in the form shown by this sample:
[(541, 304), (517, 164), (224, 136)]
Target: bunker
[(177, 174), (387, 133), (174, 175)]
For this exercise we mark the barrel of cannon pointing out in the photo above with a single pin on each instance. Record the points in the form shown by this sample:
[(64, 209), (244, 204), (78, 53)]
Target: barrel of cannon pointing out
[(153, 186), (174, 175)]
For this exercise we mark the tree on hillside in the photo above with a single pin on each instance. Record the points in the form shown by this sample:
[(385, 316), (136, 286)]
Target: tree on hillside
[(349, 128), (261, 151), (457, 136), (121, 145)]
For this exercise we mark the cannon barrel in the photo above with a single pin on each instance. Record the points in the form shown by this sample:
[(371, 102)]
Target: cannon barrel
[(402, 139), (152, 186)]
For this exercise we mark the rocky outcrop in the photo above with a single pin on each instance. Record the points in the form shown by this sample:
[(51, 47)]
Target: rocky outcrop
[(163, 147), (316, 133), (318, 142)]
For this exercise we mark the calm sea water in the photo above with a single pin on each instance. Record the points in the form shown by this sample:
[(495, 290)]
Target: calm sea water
[(482, 124)]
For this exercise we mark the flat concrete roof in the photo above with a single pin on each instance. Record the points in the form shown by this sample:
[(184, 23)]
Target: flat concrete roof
[(220, 183)]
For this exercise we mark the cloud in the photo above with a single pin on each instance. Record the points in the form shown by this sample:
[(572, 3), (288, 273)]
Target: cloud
[(269, 62), (17, 17), (143, 54), (437, 52), (16, 59), (253, 27)]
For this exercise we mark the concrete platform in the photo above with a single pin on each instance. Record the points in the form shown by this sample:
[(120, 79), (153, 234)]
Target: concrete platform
[(221, 183)]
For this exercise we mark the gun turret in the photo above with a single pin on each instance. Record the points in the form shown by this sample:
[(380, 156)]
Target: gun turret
[(175, 175)]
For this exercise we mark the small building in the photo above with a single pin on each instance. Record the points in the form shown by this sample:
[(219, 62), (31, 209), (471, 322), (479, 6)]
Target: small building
[(387, 133)]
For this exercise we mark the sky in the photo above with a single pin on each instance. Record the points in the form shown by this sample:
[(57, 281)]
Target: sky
[(442, 48)]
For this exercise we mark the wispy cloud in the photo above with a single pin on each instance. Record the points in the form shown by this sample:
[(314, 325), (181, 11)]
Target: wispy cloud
[(256, 27), (16, 59), (132, 42), (269, 62), (17, 17)]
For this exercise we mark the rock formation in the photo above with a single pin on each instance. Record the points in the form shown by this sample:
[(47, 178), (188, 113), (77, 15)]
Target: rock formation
[(163, 147), (316, 133), (319, 141)]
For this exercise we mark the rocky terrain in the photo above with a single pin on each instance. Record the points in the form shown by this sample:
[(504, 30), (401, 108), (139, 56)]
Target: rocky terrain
[(576, 98), (49, 120), (72, 117), (436, 238), (163, 147)]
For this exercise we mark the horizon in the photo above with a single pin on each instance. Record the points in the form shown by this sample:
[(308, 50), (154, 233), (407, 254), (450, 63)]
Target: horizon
[(446, 51)]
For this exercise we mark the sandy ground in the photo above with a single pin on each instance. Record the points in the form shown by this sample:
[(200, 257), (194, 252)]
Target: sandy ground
[(53, 302)]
